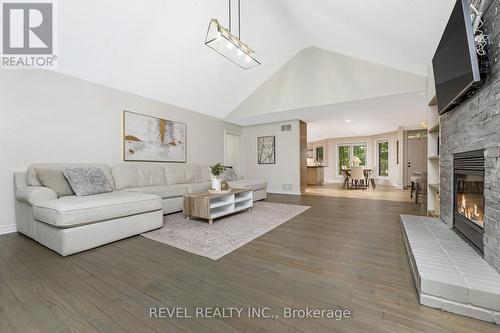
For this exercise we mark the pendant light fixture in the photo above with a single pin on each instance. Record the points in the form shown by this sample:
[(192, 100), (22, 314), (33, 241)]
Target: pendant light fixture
[(223, 41)]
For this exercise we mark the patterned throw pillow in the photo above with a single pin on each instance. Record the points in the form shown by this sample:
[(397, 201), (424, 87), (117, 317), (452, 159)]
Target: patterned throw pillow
[(228, 174), (87, 181)]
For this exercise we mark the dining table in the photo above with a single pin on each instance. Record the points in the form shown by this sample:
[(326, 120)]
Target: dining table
[(366, 173)]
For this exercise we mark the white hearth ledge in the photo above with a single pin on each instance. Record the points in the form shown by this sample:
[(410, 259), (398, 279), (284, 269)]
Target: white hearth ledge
[(448, 274)]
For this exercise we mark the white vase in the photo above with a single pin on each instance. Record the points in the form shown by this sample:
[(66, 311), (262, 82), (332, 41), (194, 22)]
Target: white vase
[(216, 184)]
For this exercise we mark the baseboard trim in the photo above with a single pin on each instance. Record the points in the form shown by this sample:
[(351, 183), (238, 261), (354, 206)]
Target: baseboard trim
[(7, 229), (283, 192)]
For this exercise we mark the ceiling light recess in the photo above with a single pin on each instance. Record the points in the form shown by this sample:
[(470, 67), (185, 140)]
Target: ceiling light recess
[(223, 41)]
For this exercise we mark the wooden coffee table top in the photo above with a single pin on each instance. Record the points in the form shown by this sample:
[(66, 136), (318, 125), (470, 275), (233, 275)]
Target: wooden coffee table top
[(214, 195)]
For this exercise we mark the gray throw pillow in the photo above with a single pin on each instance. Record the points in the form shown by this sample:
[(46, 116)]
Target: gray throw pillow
[(228, 174), (54, 179), (87, 181)]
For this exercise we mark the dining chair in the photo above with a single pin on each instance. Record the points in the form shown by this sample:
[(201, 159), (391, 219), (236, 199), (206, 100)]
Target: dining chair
[(418, 184), (371, 176), (358, 177), (345, 175)]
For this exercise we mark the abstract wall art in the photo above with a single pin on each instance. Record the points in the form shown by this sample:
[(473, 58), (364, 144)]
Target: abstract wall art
[(152, 139)]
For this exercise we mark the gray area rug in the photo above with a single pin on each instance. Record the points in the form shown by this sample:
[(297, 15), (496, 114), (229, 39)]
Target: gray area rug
[(226, 234)]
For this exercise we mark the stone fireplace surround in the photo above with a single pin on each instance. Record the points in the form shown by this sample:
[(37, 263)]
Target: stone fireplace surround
[(475, 124), (448, 273)]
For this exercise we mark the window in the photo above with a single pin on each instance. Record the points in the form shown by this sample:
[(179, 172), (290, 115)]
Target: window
[(346, 153), (319, 154), (344, 160), (359, 151), (383, 158)]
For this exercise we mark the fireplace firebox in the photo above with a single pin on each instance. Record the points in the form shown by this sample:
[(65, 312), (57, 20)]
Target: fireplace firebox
[(468, 215)]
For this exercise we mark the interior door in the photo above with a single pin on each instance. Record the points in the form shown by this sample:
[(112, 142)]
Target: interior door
[(417, 157), (232, 151)]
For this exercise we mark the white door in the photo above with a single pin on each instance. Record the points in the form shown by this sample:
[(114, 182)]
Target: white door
[(417, 157), (232, 152)]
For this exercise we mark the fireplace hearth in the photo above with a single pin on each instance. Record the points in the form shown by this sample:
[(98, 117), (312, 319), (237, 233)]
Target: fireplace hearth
[(468, 215)]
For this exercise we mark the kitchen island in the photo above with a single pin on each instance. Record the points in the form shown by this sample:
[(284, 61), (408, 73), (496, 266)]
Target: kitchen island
[(315, 174)]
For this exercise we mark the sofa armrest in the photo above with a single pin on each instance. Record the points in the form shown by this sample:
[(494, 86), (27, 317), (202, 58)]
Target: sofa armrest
[(35, 194)]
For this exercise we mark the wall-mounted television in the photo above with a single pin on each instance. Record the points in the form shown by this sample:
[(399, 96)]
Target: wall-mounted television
[(455, 63)]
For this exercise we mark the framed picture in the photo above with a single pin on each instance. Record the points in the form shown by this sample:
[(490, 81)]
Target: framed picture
[(152, 139), (266, 150)]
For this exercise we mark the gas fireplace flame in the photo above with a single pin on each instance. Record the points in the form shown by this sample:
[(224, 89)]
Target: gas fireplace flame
[(475, 211), (469, 210)]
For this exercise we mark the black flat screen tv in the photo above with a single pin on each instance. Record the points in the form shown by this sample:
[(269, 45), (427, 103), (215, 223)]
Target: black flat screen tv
[(455, 63)]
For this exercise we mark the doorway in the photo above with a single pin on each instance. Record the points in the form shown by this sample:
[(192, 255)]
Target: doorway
[(416, 153), (232, 151)]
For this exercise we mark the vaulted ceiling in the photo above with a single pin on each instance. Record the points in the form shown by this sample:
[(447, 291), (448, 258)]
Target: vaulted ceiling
[(325, 89), (156, 49)]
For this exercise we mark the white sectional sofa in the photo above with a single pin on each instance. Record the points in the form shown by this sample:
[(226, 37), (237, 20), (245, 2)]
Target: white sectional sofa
[(143, 193), (167, 181)]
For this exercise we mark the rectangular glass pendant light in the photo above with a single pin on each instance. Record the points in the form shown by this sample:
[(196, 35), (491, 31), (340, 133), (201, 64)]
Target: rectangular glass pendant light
[(222, 41)]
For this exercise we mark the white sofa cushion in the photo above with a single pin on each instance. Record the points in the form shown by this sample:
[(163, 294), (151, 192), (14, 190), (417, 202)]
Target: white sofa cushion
[(152, 174), (176, 173), (125, 175), (32, 177), (71, 211), (164, 191), (129, 174), (55, 180), (172, 191), (205, 173), (138, 174), (67, 241), (199, 187), (248, 184), (193, 173)]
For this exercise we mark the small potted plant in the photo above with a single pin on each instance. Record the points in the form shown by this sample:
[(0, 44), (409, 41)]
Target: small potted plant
[(216, 170)]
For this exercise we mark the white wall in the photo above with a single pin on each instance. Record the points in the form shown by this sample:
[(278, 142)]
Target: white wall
[(50, 117), (287, 167), (331, 158)]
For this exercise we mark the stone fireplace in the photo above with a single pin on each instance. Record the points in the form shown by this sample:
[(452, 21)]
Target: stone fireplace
[(468, 212), (448, 274), (475, 126)]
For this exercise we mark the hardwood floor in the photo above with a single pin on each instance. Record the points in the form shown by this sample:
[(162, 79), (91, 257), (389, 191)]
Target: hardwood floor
[(382, 192), (343, 253)]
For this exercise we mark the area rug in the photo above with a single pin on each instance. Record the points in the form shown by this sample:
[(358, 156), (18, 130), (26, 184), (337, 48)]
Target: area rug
[(225, 234)]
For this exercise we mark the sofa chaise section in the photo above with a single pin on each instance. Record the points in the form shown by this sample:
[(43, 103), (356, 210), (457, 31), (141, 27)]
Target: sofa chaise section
[(74, 211), (73, 224)]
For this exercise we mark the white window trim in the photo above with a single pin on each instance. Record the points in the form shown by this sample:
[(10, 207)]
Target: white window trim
[(388, 158), (350, 144)]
